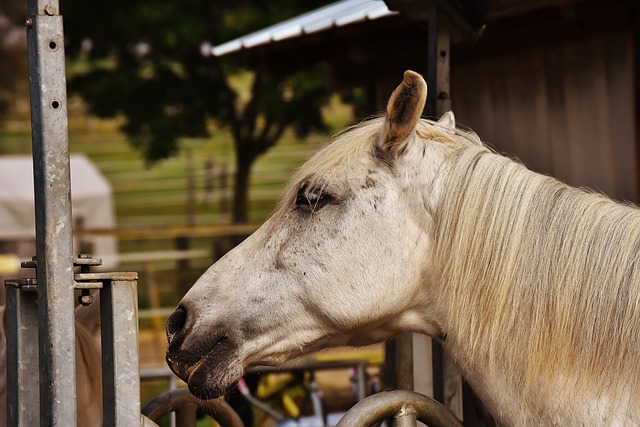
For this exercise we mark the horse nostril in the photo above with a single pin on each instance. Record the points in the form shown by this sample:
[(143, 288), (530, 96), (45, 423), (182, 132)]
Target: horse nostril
[(176, 322)]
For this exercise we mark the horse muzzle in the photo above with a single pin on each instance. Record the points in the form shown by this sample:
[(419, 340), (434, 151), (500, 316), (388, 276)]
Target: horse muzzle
[(206, 361)]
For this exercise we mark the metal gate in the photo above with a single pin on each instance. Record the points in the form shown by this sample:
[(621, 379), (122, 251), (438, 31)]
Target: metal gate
[(41, 359)]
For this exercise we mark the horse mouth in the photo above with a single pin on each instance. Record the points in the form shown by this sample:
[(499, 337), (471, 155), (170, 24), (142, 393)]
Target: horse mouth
[(209, 380), (209, 373)]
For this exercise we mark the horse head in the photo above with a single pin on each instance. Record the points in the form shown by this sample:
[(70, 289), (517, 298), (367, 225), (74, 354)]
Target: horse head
[(401, 224), (342, 261)]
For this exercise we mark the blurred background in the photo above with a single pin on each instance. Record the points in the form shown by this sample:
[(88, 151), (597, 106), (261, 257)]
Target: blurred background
[(187, 117)]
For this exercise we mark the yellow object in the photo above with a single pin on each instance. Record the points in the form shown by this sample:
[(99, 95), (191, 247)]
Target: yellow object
[(9, 264), (290, 406), (272, 384)]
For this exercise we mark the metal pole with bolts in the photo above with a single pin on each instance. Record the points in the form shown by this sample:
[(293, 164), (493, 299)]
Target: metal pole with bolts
[(52, 189), (447, 380), (437, 104), (41, 310)]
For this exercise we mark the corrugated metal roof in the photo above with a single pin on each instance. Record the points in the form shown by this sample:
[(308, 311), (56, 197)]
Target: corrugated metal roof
[(339, 14)]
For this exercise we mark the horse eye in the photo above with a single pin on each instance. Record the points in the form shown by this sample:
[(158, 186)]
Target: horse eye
[(312, 199)]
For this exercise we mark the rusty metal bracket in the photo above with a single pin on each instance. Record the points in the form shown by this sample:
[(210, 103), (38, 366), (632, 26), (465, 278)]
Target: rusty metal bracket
[(85, 261)]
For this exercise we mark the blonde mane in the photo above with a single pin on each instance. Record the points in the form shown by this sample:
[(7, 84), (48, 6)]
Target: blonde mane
[(541, 281)]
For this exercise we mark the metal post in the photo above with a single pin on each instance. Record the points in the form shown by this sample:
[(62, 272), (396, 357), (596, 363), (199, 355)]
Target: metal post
[(405, 418), (438, 103), (120, 362), (22, 353), (187, 416), (54, 243), (361, 376), (438, 72), (447, 381), (438, 81), (404, 361)]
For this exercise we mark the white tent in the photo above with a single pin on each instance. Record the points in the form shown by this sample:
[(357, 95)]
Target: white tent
[(91, 204)]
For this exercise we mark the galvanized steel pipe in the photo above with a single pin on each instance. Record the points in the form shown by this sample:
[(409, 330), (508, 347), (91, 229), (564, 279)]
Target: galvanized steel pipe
[(23, 381), (404, 406), (54, 240)]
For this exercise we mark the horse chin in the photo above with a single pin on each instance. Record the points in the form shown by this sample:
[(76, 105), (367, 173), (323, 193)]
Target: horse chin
[(209, 368), (212, 377)]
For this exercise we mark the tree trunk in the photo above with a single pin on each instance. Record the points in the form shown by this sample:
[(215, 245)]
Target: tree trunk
[(240, 207)]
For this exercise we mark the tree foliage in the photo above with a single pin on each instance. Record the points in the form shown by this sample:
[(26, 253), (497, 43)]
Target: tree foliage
[(13, 71), (144, 62)]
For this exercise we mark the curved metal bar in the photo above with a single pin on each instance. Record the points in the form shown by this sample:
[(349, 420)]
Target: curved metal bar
[(181, 399), (399, 404), (147, 422)]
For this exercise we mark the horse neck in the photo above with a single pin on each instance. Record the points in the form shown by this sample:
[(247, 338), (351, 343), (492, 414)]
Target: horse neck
[(530, 271)]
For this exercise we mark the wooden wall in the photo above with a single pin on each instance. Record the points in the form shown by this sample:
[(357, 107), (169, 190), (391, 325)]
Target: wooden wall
[(567, 110)]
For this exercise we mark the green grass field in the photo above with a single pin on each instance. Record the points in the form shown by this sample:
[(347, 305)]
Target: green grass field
[(157, 195)]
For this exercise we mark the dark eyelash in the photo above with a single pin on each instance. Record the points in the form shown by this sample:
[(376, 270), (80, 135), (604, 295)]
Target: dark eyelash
[(312, 199)]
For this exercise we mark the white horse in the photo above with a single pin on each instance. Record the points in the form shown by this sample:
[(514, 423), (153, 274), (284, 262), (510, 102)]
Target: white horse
[(402, 224)]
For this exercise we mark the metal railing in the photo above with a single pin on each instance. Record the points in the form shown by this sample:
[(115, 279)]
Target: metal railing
[(404, 407), (119, 337), (185, 405)]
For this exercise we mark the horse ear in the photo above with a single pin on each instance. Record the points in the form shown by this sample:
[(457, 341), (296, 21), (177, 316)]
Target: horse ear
[(447, 120), (403, 111)]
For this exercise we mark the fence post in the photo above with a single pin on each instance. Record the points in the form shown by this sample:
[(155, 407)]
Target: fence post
[(52, 190), (447, 380), (22, 353), (120, 361)]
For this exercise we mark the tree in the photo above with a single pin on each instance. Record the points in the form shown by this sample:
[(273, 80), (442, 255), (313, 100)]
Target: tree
[(13, 46), (144, 63)]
